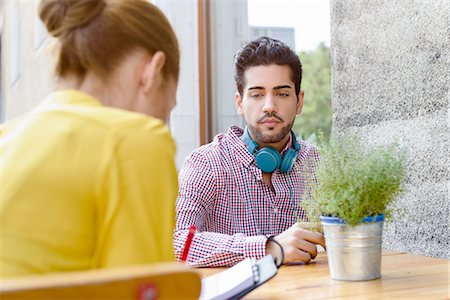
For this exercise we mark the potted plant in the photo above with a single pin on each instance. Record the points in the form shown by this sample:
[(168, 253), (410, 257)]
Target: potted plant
[(354, 192)]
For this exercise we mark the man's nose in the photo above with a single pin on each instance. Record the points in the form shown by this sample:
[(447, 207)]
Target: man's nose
[(269, 104)]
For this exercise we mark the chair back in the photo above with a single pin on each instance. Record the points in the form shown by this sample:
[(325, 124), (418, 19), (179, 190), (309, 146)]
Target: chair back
[(146, 282)]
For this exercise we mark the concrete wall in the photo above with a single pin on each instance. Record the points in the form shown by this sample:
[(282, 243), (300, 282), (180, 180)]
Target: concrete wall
[(391, 77)]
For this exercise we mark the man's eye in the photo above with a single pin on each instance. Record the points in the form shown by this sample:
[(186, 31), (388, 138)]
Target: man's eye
[(283, 94), (257, 95)]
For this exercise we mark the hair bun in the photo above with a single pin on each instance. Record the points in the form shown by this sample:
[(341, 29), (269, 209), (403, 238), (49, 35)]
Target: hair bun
[(63, 16)]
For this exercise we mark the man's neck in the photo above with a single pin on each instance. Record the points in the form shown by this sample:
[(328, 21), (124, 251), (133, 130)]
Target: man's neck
[(279, 145)]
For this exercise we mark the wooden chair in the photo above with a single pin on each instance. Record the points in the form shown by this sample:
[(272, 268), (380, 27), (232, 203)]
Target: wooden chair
[(146, 282)]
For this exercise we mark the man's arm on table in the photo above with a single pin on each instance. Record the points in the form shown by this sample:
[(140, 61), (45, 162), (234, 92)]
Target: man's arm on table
[(198, 189)]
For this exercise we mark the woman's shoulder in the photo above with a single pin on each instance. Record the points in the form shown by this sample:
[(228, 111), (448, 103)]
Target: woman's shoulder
[(142, 131)]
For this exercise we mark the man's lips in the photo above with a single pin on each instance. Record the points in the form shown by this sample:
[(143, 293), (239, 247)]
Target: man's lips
[(270, 121)]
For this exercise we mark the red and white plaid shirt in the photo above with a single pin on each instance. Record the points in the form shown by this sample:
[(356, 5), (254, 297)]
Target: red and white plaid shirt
[(223, 194)]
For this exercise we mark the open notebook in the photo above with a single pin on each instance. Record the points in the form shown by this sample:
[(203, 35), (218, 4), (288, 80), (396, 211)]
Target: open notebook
[(235, 282)]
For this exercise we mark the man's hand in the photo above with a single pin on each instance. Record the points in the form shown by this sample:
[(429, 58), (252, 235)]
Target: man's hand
[(299, 245)]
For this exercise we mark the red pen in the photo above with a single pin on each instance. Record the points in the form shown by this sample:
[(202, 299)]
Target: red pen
[(187, 245)]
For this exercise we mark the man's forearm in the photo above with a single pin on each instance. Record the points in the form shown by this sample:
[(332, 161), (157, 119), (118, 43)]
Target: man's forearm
[(210, 249)]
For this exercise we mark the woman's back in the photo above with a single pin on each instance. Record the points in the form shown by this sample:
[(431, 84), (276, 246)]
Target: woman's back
[(85, 186)]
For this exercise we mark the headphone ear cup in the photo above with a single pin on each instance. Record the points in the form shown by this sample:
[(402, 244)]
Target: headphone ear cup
[(268, 159), (288, 160)]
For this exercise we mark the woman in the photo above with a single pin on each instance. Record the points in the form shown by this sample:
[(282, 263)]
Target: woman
[(88, 177)]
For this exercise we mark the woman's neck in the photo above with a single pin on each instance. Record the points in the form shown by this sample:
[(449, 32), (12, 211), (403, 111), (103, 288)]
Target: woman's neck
[(108, 94)]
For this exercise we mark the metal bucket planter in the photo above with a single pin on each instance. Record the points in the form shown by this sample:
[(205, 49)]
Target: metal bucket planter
[(354, 253)]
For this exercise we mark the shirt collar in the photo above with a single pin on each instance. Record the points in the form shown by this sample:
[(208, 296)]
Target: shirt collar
[(288, 144), (67, 97), (235, 133)]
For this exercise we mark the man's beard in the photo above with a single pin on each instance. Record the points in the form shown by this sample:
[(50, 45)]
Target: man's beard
[(270, 139)]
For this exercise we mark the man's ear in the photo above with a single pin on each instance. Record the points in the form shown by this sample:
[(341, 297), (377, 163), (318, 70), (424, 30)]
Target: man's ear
[(300, 97), (153, 71), (238, 102)]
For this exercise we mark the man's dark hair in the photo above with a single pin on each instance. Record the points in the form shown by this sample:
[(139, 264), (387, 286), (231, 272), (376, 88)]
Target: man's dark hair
[(266, 51)]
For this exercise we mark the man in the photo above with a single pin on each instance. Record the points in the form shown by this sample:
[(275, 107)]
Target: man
[(245, 188)]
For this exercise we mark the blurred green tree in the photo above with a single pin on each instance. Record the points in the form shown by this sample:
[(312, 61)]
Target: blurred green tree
[(316, 115)]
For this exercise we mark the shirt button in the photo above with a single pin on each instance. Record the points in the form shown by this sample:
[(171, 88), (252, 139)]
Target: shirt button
[(275, 210)]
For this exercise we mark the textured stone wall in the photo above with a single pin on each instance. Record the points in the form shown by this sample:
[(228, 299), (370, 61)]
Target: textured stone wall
[(391, 77)]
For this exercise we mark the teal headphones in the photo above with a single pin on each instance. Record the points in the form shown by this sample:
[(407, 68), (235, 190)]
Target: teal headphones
[(268, 159)]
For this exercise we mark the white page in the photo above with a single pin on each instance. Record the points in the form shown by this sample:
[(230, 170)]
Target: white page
[(229, 282)]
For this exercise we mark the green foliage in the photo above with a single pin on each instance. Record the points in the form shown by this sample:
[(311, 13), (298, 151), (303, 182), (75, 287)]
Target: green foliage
[(316, 83), (355, 182)]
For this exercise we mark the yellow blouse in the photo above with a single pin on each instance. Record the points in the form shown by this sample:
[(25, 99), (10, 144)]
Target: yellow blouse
[(84, 186)]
